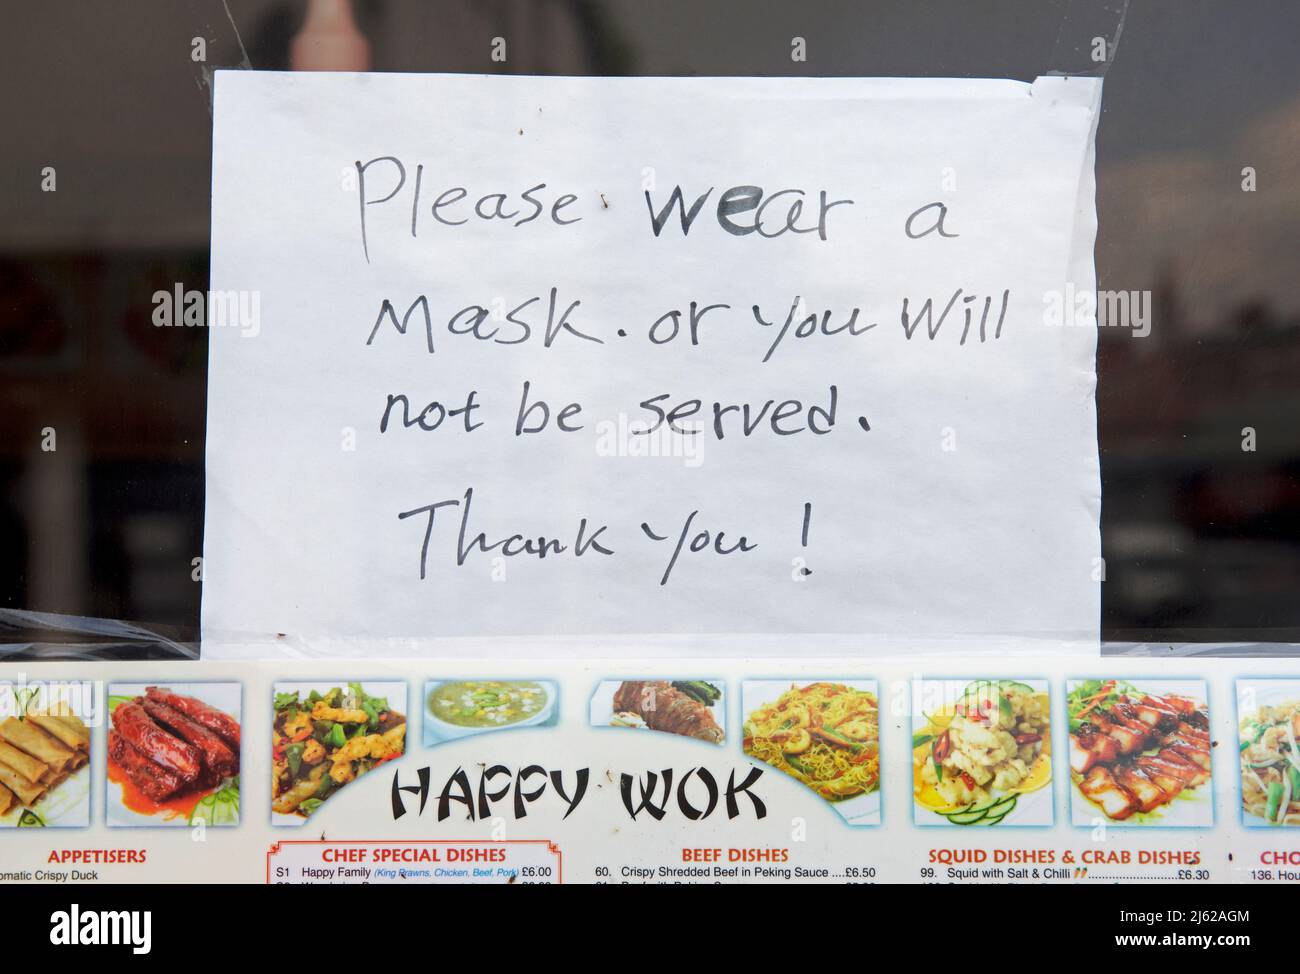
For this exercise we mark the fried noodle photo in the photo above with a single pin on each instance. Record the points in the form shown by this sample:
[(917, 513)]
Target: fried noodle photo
[(1270, 764), (826, 735)]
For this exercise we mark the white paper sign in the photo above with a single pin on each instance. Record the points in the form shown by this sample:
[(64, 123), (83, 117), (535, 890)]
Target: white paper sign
[(497, 356)]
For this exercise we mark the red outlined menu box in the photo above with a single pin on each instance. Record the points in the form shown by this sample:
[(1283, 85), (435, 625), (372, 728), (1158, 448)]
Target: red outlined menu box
[(414, 861)]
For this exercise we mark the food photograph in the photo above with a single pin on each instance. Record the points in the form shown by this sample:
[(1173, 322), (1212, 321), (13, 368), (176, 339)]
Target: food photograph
[(1268, 713), (982, 753), (693, 709), (325, 736), (825, 734), (173, 754), (44, 762), (1140, 753), (454, 709)]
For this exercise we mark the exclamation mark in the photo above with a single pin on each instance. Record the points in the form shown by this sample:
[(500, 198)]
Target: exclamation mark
[(807, 520)]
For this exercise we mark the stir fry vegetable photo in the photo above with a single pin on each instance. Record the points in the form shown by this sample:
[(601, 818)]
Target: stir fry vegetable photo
[(323, 738)]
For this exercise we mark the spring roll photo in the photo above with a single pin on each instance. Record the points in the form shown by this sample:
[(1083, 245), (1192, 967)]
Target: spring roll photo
[(29, 738), (26, 791), (68, 730), (26, 765)]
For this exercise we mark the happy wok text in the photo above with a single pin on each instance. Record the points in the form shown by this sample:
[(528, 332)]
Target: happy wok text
[(695, 794)]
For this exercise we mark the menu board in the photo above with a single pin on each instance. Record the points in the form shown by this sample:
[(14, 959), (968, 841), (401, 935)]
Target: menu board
[(1072, 770), (649, 357)]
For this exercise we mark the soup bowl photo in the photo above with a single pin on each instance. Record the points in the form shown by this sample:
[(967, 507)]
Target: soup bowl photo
[(461, 708)]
